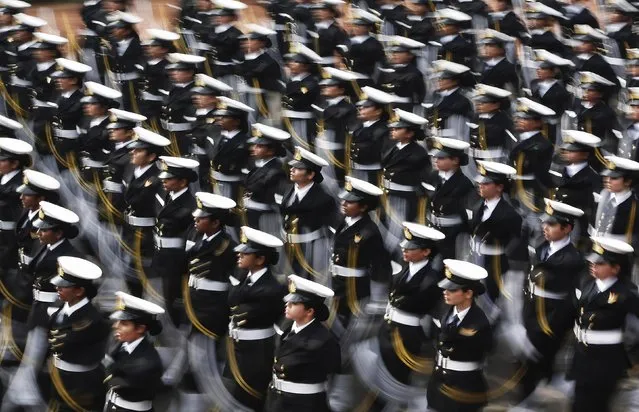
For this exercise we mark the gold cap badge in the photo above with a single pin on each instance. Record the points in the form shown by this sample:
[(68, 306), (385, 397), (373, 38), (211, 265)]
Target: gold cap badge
[(407, 234), (198, 203), (348, 186), (596, 247), (243, 237), (291, 287), (448, 273), (41, 214), (549, 210), (298, 155)]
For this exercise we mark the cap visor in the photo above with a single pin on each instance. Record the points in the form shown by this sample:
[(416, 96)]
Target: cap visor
[(349, 196), (447, 284), (59, 282), (41, 224), (483, 179), (294, 298), (166, 175), (121, 315), (297, 164), (200, 213), (595, 258)]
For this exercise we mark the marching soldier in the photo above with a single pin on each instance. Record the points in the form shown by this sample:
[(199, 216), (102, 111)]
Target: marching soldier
[(541, 20), (302, 92), (133, 367), (230, 154), (307, 355), (329, 34), (496, 70), (205, 130), (55, 227), (15, 155), (360, 265), (266, 182), (577, 13), (588, 58), (555, 270), (124, 55), (617, 212), (211, 263), (172, 223), (495, 230), (403, 79), (404, 164), (451, 195), (255, 304), (465, 338), (77, 340), (178, 103), (143, 187), (262, 76), (619, 26), (579, 181), (503, 19), (531, 157), (93, 140), (490, 133), (628, 146), (336, 123), (602, 303), (632, 68), (157, 82), (451, 109), (371, 136), (365, 51), (309, 211), (68, 79), (225, 41), (455, 47)]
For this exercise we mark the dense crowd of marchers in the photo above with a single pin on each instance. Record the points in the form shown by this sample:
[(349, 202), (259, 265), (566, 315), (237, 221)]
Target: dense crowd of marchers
[(382, 206)]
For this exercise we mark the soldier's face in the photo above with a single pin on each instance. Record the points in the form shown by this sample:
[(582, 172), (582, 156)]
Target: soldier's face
[(181, 76), (261, 151), (30, 202), (248, 261), (127, 331), (70, 294), (633, 113), (401, 134), (616, 184), (446, 164), (206, 224), (93, 109), (573, 157), (66, 83), (401, 57), (155, 52), (358, 30), (544, 74), (204, 5), (49, 236), (296, 311), (523, 124), (296, 67), (119, 135), (227, 122), (366, 113), (301, 176), (447, 29), (499, 5), (223, 19), (554, 231), (140, 157), (332, 91), (252, 45), (457, 296), (536, 23), (489, 190), (5, 19), (111, 6), (490, 50), (485, 107), (352, 209), (415, 255), (603, 270), (8, 166), (202, 101), (633, 70), (446, 84), (173, 184), (585, 47), (322, 14), (43, 56)]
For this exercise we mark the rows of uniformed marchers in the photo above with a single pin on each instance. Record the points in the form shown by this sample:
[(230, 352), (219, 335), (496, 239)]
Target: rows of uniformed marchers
[(382, 206)]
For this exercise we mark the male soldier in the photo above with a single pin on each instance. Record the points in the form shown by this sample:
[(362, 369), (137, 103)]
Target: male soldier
[(124, 55), (450, 193), (172, 223), (178, 103), (490, 133), (309, 211)]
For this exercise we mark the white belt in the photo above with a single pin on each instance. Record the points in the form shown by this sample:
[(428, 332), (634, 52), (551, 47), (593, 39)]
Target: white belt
[(226, 178), (297, 115), (140, 221), (66, 133), (457, 366), (524, 177), (176, 127), (598, 337), (124, 77), (253, 205), (399, 316), (399, 99), (348, 272), (280, 27), (221, 63), (24, 259), (16, 81), (250, 334), (243, 88), (207, 284), (328, 145), (298, 388), (110, 186), (169, 242), (537, 291), (372, 166), (152, 97), (134, 406), (303, 238), (484, 249), (444, 221), (197, 150), (90, 163), (72, 367), (396, 186), (486, 154), (5, 225), (41, 296)]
